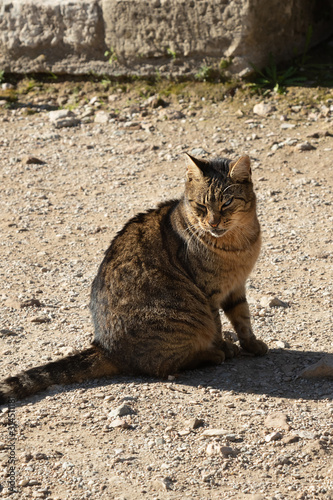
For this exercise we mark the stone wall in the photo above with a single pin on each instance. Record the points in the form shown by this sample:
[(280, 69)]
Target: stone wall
[(172, 36)]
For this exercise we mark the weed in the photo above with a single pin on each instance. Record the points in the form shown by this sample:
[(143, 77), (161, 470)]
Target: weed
[(72, 106), (315, 65), (29, 84), (215, 73), (225, 63), (76, 89), (270, 78), (30, 111), (167, 89), (93, 76), (111, 55), (106, 82), (2, 76), (205, 73), (171, 53), (123, 88), (51, 76), (158, 76), (9, 95), (147, 91), (305, 57)]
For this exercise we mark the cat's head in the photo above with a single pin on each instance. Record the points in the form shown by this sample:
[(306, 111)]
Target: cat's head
[(219, 194)]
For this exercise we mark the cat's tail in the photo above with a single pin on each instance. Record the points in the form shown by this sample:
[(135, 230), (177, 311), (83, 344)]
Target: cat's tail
[(88, 364)]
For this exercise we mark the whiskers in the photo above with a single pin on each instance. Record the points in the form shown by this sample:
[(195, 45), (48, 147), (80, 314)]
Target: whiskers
[(192, 237), (231, 185), (238, 237)]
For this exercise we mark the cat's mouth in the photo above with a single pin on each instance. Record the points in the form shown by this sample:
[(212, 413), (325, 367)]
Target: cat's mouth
[(217, 233)]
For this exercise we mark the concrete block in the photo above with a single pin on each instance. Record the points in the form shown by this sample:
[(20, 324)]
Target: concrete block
[(174, 36)]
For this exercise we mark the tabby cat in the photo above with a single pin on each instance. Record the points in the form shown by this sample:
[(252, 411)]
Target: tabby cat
[(156, 298)]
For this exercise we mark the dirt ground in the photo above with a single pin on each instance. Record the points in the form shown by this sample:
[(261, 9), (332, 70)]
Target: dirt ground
[(252, 428)]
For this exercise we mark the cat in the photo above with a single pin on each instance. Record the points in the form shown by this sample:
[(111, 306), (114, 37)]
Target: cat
[(156, 299)]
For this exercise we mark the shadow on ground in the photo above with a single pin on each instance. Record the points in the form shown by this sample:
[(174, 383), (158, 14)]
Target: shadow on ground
[(273, 375)]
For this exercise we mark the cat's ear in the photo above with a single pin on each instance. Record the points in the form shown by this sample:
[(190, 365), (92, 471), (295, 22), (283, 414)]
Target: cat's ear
[(195, 167), (240, 170)]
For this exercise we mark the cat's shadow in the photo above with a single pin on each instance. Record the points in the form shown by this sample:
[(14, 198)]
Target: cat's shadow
[(276, 375)]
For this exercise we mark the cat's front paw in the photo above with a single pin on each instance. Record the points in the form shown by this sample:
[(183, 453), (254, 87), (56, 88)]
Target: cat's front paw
[(230, 349), (217, 356), (255, 346)]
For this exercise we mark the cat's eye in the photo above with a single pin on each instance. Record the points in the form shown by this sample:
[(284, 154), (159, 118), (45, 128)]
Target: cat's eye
[(201, 208), (228, 202)]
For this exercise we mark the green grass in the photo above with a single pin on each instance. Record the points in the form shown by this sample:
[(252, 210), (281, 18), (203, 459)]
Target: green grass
[(271, 78), (309, 68)]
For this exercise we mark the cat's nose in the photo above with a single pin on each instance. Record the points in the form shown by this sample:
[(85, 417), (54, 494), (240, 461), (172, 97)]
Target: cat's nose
[(214, 220)]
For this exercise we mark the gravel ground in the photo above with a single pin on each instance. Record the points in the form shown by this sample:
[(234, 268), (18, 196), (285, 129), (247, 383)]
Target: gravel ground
[(252, 428)]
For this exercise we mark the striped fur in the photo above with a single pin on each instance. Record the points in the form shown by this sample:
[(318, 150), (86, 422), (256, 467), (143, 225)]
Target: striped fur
[(88, 364), (156, 298)]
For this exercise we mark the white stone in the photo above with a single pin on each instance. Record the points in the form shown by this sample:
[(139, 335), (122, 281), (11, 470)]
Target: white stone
[(68, 351), (213, 449), (102, 117), (304, 146), (277, 420), (67, 465), (59, 114), (263, 109), (121, 411), (322, 369), (215, 432), (274, 436)]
